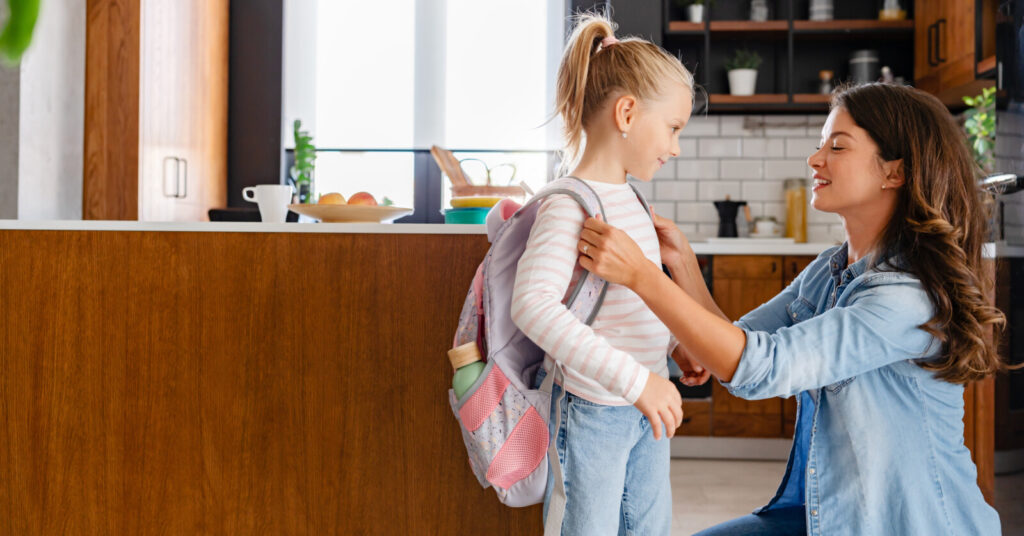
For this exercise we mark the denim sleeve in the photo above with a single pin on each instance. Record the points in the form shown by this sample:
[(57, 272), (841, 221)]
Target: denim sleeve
[(878, 326)]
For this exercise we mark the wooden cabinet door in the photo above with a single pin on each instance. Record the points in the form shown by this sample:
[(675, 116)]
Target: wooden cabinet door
[(183, 109), (742, 283), (943, 44)]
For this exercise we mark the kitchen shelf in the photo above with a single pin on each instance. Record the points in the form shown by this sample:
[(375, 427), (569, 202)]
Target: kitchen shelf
[(772, 26), (852, 26), (683, 28), (763, 98), (811, 98)]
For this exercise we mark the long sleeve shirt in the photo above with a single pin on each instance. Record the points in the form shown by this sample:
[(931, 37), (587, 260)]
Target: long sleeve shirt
[(879, 441), (607, 362)]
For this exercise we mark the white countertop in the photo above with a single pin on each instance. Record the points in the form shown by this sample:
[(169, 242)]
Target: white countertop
[(745, 247)]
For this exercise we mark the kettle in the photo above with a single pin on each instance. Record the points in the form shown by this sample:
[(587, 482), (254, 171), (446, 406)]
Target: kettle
[(727, 211)]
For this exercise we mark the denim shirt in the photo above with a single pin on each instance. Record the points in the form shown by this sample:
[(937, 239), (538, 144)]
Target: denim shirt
[(879, 441)]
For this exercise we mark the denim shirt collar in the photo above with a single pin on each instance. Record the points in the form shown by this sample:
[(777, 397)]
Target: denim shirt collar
[(841, 273)]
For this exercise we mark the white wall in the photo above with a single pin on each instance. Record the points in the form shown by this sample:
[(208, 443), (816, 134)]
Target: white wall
[(52, 115)]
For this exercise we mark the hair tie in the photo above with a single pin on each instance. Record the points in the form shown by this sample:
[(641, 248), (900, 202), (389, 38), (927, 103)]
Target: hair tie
[(608, 41)]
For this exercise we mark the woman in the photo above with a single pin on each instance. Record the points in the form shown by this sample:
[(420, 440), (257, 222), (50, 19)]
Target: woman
[(876, 337)]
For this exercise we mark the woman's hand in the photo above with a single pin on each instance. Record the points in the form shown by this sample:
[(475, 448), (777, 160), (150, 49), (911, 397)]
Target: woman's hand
[(693, 372), (611, 253), (675, 248)]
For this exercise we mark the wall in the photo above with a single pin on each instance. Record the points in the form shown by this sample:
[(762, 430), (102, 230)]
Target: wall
[(746, 157), (41, 119)]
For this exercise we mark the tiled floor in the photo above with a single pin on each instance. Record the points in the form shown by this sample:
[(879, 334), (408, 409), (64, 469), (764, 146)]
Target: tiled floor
[(706, 492)]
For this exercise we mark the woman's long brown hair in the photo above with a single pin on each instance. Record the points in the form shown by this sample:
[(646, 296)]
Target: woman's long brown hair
[(940, 224)]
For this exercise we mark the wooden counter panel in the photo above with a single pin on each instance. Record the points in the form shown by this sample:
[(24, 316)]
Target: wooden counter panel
[(236, 383)]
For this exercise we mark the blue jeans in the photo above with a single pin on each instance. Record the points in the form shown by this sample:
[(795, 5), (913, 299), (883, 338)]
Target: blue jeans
[(780, 522), (616, 474)]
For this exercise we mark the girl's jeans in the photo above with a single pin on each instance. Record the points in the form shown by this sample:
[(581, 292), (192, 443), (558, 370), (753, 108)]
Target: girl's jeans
[(616, 474)]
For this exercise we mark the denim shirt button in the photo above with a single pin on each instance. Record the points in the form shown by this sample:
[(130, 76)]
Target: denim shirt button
[(814, 512), (811, 470)]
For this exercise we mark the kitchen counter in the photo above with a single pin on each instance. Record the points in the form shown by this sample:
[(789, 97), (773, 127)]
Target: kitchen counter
[(746, 247)]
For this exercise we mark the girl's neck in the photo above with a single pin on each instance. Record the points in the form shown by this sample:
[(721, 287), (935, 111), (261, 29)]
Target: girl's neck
[(863, 233), (600, 166)]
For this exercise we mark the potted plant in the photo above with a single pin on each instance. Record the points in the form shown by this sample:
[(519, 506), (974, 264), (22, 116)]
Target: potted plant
[(305, 160), (980, 125), (694, 8), (742, 70)]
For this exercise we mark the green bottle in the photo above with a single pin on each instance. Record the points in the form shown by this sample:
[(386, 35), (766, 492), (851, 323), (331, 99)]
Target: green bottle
[(468, 366)]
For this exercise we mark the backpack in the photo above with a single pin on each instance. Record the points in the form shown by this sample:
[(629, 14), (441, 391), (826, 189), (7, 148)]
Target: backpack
[(503, 419)]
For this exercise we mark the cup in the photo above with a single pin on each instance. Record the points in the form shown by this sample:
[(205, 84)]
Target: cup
[(766, 227), (273, 200)]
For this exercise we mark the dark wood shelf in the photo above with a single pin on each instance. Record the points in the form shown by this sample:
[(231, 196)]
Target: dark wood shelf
[(749, 26), (684, 27), (851, 26), (810, 98), (763, 98)]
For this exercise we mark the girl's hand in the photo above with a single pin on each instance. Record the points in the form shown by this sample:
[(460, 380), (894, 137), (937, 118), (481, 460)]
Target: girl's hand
[(662, 404), (611, 253), (693, 372), (675, 248)]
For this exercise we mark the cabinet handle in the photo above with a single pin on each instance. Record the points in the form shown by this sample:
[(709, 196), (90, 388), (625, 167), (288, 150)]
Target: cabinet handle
[(931, 44), (939, 26), (794, 267), (774, 266), (184, 183)]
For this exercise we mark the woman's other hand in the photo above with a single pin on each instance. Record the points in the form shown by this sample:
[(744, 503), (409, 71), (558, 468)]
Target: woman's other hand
[(694, 373), (611, 254), (675, 247)]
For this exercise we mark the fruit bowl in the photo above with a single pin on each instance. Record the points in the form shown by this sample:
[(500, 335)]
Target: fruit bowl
[(351, 213)]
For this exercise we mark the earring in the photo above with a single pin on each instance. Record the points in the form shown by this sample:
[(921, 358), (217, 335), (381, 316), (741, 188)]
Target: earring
[(623, 135), (883, 186)]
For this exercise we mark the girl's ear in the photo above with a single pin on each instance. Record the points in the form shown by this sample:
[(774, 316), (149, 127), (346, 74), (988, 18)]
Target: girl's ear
[(625, 112)]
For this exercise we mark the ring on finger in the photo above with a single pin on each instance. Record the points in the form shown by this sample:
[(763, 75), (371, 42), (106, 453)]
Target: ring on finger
[(585, 248)]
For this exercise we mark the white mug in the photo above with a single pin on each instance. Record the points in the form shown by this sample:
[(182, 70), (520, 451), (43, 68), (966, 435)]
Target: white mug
[(273, 200), (766, 227)]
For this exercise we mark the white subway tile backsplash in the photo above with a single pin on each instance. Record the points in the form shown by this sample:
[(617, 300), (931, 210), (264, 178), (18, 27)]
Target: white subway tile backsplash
[(814, 124), (764, 148), (696, 212), (785, 169), (775, 210), (688, 229), (719, 148), (675, 191), (818, 233), (816, 216), (687, 148), (705, 230), (697, 169), (665, 209), (668, 171), (785, 125), (742, 169), (645, 188), (801, 147), (736, 125), (717, 190), (762, 190), (701, 126)]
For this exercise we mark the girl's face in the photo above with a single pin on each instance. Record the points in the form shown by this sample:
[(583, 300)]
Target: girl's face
[(653, 137), (848, 172)]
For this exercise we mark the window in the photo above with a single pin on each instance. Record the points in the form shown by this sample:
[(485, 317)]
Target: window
[(391, 79)]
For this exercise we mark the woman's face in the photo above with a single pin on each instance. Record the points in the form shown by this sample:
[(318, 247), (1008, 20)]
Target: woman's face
[(848, 172)]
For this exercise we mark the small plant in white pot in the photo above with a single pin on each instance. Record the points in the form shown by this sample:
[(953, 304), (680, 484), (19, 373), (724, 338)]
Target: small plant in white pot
[(743, 72), (694, 8)]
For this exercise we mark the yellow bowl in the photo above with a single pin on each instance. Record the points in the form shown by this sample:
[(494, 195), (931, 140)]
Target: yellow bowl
[(482, 201)]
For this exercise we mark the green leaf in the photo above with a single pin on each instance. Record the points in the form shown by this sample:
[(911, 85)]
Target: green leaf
[(17, 32)]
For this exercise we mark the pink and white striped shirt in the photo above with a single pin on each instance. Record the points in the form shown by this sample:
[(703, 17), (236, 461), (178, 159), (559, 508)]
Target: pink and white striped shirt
[(609, 361)]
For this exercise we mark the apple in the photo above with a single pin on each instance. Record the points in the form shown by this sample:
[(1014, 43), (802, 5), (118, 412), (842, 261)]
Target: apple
[(362, 198), (333, 198)]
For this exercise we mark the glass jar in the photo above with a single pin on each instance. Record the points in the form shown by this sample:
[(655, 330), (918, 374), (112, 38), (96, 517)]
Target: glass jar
[(796, 209)]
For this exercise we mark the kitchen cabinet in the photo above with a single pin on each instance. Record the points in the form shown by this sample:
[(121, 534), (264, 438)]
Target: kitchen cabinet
[(740, 283), (156, 109), (954, 42)]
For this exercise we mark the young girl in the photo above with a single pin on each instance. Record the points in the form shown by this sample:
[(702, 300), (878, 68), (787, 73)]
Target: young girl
[(876, 338), (626, 102)]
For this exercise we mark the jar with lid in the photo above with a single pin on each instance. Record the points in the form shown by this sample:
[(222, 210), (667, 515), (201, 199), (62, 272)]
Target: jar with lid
[(796, 209)]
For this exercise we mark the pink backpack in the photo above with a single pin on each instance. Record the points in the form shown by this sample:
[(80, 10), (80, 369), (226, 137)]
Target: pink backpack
[(504, 420)]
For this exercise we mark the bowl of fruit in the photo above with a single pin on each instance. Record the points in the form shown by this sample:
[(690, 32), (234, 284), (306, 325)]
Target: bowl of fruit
[(361, 207)]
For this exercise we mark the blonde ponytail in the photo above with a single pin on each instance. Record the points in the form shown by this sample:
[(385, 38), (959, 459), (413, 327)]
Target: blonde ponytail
[(591, 72)]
